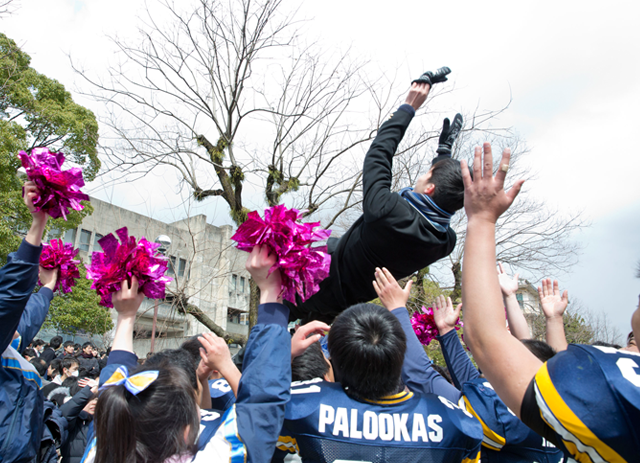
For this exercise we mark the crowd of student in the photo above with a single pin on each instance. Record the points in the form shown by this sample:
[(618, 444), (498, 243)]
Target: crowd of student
[(363, 387)]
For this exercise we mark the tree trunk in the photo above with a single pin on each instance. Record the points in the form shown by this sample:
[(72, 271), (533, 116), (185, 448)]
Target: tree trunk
[(206, 321), (456, 295), (254, 302)]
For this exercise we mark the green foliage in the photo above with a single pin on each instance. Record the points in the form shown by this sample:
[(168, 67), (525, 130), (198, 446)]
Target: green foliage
[(37, 111), (79, 310)]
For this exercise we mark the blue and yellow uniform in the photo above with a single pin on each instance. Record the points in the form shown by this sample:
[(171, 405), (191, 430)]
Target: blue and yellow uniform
[(506, 439), (587, 401), (324, 424), (222, 396)]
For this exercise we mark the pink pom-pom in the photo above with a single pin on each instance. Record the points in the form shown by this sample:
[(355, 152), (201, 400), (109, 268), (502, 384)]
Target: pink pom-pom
[(56, 254), (125, 259), (59, 189), (424, 325), (302, 267)]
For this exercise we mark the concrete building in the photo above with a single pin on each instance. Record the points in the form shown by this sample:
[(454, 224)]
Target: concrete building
[(203, 261)]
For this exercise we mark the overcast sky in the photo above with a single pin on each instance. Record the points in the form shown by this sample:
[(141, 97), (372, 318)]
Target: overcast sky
[(570, 68)]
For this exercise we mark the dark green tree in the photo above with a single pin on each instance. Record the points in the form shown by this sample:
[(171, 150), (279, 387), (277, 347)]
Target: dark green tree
[(36, 111), (79, 310)]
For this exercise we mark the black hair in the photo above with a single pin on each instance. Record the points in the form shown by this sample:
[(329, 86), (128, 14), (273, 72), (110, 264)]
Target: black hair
[(150, 426), (193, 345), (179, 358), (630, 338), (86, 344), (30, 352), (540, 349), (40, 366), (367, 346), (68, 363), (56, 364), (38, 342), (446, 176), (67, 344), (77, 346), (55, 342), (311, 364)]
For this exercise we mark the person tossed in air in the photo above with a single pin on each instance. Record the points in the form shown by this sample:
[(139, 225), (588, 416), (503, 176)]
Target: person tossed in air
[(403, 231)]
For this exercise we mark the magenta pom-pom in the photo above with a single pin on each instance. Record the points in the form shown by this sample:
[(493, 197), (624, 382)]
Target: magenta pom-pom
[(302, 267), (56, 254), (424, 325), (121, 260), (59, 189)]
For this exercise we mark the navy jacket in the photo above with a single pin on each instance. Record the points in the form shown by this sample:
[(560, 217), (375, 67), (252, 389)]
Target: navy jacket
[(21, 401)]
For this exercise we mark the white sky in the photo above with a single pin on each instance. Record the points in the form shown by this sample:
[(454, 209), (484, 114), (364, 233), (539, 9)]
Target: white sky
[(571, 69)]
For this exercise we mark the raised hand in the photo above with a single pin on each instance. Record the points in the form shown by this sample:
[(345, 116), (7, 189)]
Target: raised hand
[(553, 304), (216, 356), (389, 291), (445, 315), (258, 264), (307, 335), (448, 135), (417, 95), (508, 285), (30, 193), (127, 300), (48, 277), (431, 77), (484, 196)]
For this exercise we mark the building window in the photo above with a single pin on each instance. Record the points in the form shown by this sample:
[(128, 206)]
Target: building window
[(85, 240), (172, 265), (234, 283), (244, 318), (520, 300), (96, 246), (181, 266), (70, 236), (242, 285)]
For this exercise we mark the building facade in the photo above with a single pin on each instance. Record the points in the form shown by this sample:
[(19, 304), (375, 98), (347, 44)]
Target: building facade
[(204, 263)]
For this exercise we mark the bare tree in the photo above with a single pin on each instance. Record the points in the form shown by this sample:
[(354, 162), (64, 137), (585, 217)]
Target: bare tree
[(530, 235), (229, 98)]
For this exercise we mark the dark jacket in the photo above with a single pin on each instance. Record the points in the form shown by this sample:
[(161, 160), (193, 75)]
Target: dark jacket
[(48, 354), (21, 402), (78, 425), (390, 233), (55, 433)]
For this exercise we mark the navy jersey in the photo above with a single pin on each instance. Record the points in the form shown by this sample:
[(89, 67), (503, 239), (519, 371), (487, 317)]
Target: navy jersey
[(506, 438), (222, 396), (324, 425), (587, 399)]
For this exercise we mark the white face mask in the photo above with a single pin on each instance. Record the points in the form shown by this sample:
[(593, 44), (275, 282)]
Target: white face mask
[(75, 373)]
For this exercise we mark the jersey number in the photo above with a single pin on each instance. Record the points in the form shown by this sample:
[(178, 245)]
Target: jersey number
[(627, 367)]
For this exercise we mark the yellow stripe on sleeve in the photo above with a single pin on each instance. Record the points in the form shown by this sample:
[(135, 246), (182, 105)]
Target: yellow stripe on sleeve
[(472, 460), (492, 440), (577, 437)]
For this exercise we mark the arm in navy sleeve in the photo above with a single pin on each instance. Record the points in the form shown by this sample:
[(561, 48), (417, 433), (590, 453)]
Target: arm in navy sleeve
[(377, 175), (33, 316), (265, 383), (17, 280), (458, 362), (418, 373)]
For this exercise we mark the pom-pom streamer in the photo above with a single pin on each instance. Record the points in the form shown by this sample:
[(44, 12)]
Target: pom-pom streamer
[(125, 259), (424, 325), (56, 254), (302, 267), (59, 189)]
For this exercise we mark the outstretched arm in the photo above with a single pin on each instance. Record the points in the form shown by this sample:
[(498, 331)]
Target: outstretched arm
[(37, 308), (509, 286), (418, 373), (505, 361), (553, 306), (458, 362), (19, 276)]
